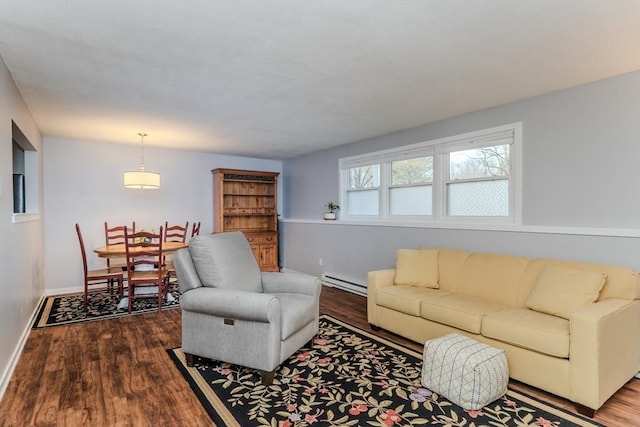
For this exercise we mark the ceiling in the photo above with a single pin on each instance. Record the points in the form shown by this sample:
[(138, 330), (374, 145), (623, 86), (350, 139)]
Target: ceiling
[(278, 79)]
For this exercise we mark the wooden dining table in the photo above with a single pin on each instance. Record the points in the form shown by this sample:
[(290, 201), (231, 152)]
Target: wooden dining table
[(119, 250)]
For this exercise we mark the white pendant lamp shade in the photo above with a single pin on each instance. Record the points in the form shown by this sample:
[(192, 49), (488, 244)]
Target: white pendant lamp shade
[(141, 179)]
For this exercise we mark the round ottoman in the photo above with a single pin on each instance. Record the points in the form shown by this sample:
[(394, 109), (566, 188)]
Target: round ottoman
[(466, 372)]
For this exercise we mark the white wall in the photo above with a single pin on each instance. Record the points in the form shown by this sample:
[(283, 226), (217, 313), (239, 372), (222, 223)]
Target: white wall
[(21, 244), (581, 187), (83, 184)]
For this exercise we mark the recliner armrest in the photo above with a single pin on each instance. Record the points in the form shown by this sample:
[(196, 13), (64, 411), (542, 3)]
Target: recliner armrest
[(295, 283), (232, 304)]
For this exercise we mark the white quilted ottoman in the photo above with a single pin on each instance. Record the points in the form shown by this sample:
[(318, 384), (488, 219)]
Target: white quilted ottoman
[(466, 372)]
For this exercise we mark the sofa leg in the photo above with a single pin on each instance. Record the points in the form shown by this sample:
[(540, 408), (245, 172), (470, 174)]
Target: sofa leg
[(267, 378), (189, 358), (585, 410), (374, 327)]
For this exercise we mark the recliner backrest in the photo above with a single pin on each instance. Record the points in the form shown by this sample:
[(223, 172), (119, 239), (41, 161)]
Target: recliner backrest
[(225, 260), (185, 270)]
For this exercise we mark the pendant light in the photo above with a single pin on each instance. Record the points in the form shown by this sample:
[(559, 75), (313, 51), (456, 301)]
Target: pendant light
[(141, 179)]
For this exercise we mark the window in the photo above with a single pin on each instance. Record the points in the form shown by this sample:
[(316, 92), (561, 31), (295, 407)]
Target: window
[(471, 177), (18, 179), (411, 186), (25, 177), (363, 189)]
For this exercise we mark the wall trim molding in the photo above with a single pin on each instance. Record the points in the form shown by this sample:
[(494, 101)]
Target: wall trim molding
[(542, 229)]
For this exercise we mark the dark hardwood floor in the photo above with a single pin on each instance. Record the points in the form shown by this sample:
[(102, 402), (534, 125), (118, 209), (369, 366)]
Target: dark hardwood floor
[(117, 373)]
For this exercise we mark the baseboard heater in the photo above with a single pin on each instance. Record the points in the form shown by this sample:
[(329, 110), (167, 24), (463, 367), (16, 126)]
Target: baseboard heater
[(345, 284)]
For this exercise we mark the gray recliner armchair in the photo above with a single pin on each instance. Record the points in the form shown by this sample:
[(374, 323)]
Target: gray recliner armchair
[(233, 312)]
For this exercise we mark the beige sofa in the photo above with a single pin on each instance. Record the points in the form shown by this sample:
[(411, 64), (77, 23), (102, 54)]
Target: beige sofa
[(569, 328)]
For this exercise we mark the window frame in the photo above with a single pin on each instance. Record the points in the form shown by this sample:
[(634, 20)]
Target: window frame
[(345, 188), (439, 149), (26, 164)]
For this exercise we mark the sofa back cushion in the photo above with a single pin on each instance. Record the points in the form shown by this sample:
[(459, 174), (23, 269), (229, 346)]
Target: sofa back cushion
[(225, 260), (449, 265), (622, 282), (492, 276), (560, 291), (417, 267)]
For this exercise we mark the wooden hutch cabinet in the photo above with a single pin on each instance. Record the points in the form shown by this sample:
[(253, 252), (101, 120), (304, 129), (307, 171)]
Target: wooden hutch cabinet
[(247, 201)]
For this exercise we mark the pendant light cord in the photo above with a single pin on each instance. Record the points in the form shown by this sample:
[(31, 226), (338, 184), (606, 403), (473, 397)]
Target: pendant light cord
[(142, 135)]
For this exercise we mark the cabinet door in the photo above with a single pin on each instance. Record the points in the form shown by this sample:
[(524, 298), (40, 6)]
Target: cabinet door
[(268, 257)]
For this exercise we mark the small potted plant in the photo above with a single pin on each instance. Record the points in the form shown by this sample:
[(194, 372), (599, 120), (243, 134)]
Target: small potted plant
[(332, 208)]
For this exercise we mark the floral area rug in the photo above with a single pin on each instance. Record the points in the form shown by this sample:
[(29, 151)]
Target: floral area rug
[(349, 377), (102, 304)]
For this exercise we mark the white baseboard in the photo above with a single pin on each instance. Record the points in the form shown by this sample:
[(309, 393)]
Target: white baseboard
[(638, 375), (17, 352), (62, 291)]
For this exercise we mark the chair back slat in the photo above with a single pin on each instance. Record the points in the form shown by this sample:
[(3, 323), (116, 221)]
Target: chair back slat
[(196, 229), (115, 235), (175, 233), (144, 248)]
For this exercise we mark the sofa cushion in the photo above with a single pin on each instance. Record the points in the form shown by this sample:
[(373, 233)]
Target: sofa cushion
[(493, 277), (460, 311), (560, 291), (225, 260), (450, 263), (406, 299), (622, 282), (529, 329), (417, 267)]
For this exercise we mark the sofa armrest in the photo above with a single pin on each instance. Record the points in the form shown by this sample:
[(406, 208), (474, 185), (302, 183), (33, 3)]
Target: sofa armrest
[(375, 280), (295, 283), (604, 349), (233, 304)]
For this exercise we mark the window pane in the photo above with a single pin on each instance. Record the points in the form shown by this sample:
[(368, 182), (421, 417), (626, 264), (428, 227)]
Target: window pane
[(482, 162), (412, 171), (364, 177), (410, 200), (362, 202), (482, 198)]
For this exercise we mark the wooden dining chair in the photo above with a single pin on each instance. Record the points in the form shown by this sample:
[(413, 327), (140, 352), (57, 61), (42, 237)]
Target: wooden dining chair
[(144, 264), (115, 236), (173, 233), (195, 231), (97, 277)]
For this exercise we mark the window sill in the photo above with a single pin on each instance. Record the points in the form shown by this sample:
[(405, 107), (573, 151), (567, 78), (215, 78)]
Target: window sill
[(585, 231), (25, 217)]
